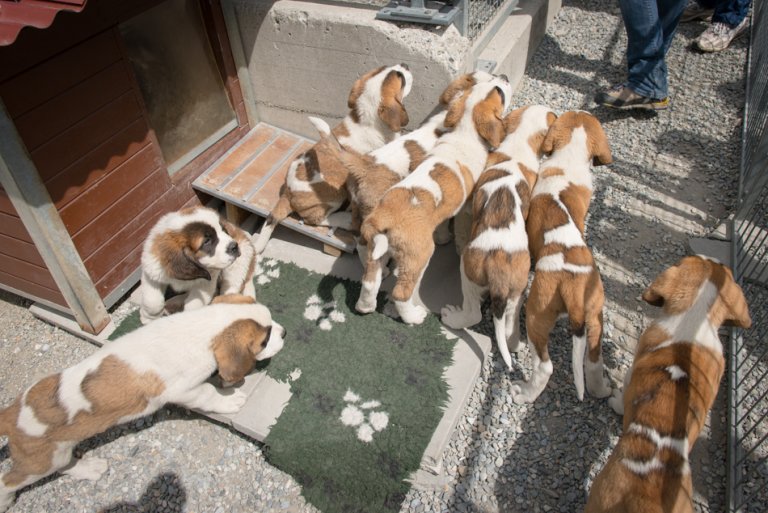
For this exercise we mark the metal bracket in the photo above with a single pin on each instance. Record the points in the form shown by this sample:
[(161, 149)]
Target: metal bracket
[(419, 11)]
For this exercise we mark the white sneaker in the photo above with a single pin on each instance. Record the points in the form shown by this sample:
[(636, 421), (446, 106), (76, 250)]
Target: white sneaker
[(718, 36)]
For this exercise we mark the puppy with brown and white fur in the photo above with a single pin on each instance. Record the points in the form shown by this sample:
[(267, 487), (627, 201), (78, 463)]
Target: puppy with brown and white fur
[(166, 361), (373, 173), (188, 250), (403, 222), (670, 389), (566, 279), (496, 261), (315, 186)]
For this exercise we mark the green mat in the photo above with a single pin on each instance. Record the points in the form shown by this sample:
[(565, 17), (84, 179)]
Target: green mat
[(368, 391)]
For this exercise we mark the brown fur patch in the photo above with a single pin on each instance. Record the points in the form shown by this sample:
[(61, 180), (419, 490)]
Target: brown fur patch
[(416, 154), (458, 86), (179, 251), (561, 131), (544, 215), (236, 348)]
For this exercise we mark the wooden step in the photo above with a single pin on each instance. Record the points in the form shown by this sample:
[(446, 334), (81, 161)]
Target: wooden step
[(250, 175)]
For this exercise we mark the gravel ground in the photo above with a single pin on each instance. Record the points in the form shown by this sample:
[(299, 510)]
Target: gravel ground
[(674, 176)]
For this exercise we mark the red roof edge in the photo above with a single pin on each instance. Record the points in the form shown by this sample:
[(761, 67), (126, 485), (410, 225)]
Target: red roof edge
[(17, 14)]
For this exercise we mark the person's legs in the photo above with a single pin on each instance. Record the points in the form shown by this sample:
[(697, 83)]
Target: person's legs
[(650, 26), (731, 12), (728, 22)]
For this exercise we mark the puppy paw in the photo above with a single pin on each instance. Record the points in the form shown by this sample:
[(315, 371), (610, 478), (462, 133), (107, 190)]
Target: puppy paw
[(616, 401), (521, 393), (600, 388), (88, 468), (230, 403), (364, 306), (413, 314)]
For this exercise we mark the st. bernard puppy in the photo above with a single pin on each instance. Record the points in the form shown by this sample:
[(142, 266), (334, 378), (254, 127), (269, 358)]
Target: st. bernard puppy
[(166, 361), (403, 223), (670, 389), (566, 278), (315, 186), (496, 261), (373, 173), (191, 251)]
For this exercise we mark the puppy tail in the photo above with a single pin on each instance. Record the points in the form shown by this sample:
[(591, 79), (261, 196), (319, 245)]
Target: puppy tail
[(577, 361), (499, 310), (324, 129), (281, 211)]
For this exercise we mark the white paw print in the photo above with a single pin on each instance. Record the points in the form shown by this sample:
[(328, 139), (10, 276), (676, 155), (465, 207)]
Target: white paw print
[(266, 270), (355, 413), (325, 314)]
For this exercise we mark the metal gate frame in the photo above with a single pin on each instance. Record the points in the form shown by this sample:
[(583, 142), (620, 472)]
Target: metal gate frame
[(748, 350)]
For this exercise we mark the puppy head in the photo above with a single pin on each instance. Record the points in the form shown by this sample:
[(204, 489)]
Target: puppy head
[(250, 337), (379, 94), (192, 242), (677, 289), (486, 101), (532, 122), (561, 132)]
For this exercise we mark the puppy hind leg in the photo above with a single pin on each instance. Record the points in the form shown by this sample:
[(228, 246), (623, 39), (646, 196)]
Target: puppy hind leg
[(539, 323), (469, 314), (43, 460), (512, 328), (598, 384)]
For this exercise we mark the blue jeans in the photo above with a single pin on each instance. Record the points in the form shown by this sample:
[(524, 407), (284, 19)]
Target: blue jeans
[(730, 12), (651, 25)]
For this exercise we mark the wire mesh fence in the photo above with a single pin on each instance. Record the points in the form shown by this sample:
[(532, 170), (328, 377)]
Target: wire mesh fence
[(748, 362)]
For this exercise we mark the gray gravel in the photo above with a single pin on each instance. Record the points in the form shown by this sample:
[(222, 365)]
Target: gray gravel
[(674, 176)]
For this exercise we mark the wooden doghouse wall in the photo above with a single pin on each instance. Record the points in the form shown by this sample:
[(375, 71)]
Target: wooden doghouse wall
[(72, 95)]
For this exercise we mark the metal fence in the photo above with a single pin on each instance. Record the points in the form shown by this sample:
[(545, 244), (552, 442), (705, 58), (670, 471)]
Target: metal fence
[(471, 17), (748, 362)]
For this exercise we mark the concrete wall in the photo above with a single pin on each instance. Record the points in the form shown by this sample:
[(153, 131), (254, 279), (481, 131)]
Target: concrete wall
[(302, 57)]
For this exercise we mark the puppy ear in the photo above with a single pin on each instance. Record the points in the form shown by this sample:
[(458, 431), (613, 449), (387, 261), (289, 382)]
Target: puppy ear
[(455, 111), (551, 140), (736, 311), (393, 114), (487, 118), (233, 349), (184, 266), (601, 152), (662, 288), (233, 299), (456, 87)]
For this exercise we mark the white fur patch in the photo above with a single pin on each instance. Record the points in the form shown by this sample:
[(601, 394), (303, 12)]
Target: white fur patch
[(507, 239), (676, 372), (557, 262), (28, 422), (679, 445), (643, 467), (693, 325), (568, 235)]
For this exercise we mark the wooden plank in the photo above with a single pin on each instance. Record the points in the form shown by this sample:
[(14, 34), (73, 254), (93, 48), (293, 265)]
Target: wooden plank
[(12, 226), (119, 271), (101, 229), (21, 250), (27, 271), (41, 83), (248, 147), (105, 193), (103, 160), (69, 146), (30, 289), (273, 157), (268, 193), (51, 118)]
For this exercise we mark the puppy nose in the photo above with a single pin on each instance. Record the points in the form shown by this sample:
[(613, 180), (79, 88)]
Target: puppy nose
[(405, 66), (504, 77), (233, 249), (282, 335)]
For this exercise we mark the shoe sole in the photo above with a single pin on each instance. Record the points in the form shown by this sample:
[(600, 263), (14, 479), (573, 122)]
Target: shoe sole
[(644, 106)]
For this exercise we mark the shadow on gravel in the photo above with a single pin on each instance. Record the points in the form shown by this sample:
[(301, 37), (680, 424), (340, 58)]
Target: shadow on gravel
[(165, 493)]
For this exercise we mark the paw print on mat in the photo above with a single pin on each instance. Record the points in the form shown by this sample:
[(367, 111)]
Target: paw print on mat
[(361, 415), (324, 313), (266, 270)]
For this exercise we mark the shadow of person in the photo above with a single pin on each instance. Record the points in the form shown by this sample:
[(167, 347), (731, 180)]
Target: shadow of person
[(164, 493)]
